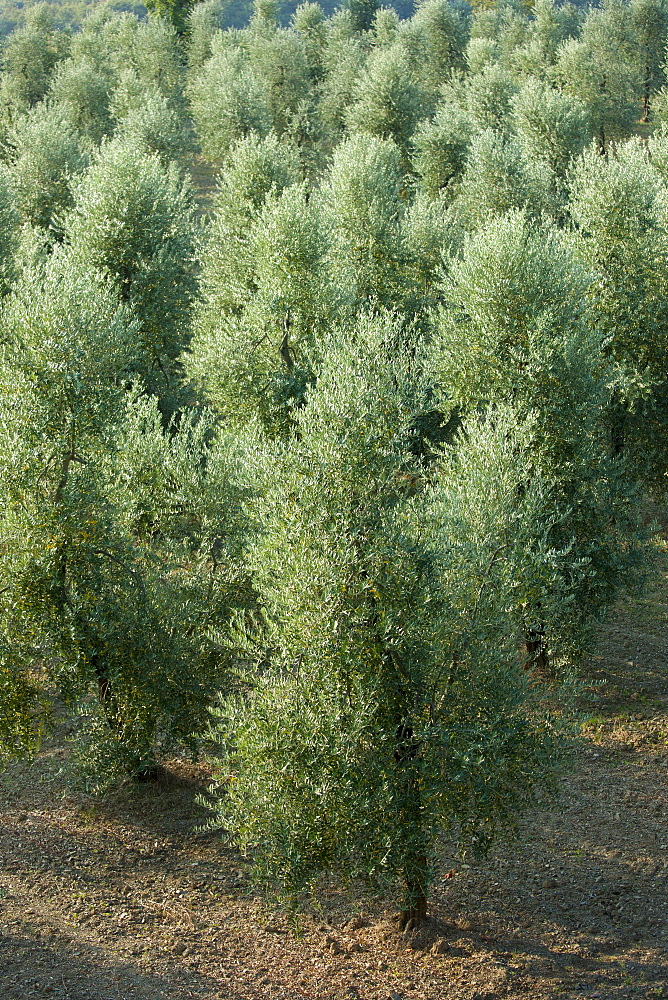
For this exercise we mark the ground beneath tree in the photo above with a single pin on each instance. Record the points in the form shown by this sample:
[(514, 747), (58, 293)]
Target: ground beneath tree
[(122, 899)]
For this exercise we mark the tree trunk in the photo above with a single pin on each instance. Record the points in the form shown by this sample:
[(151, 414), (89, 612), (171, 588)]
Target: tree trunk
[(407, 757), (618, 427), (138, 769), (536, 647), (104, 691), (600, 142), (414, 911), (646, 95)]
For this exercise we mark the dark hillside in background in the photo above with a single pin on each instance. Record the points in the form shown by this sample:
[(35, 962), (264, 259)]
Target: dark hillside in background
[(68, 14), (235, 13)]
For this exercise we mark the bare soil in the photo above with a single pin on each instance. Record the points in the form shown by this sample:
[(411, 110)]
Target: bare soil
[(122, 898)]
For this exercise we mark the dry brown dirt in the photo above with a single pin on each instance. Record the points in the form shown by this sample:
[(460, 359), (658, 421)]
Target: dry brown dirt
[(120, 898)]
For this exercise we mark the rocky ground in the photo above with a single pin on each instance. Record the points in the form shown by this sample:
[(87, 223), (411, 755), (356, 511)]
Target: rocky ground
[(121, 899)]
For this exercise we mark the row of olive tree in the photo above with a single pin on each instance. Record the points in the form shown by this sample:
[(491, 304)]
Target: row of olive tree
[(373, 471), (455, 473)]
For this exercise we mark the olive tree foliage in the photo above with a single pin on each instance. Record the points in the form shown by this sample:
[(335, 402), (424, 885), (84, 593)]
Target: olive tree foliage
[(308, 21), (551, 24), (118, 537), (428, 234), (204, 21), (554, 24), (259, 80), (156, 58), (481, 53), (389, 100), (21, 708), (140, 58), (28, 60), (174, 12), (228, 100), (363, 193), (156, 126), (46, 156), (435, 38), (553, 127), (505, 28), (649, 19), (498, 177), (362, 13), (343, 62), (105, 41), (488, 97), (601, 69), (134, 221), (618, 206), (385, 27), (63, 352), (257, 168), (255, 361), (390, 706), (9, 231), (279, 59), (516, 330), (83, 93), (441, 148)]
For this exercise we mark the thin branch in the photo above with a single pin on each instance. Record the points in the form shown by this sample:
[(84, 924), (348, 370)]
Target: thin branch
[(485, 579), (131, 572), (285, 345)]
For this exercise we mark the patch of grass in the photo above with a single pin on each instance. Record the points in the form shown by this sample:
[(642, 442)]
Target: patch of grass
[(594, 724)]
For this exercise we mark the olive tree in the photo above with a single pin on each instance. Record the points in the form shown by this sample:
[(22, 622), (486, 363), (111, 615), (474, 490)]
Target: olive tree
[(552, 126), (363, 192), (441, 147), (228, 100), (83, 92), (382, 702), (258, 360), (46, 157), (601, 69), (28, 60), (618, 206), (436, 37), (516, 330), (389, 100), (134, 221), (9, 231), (649, 19), (118, 536)]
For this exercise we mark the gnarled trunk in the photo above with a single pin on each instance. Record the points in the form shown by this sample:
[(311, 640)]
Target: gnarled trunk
[(536, 647), (408, 760)]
